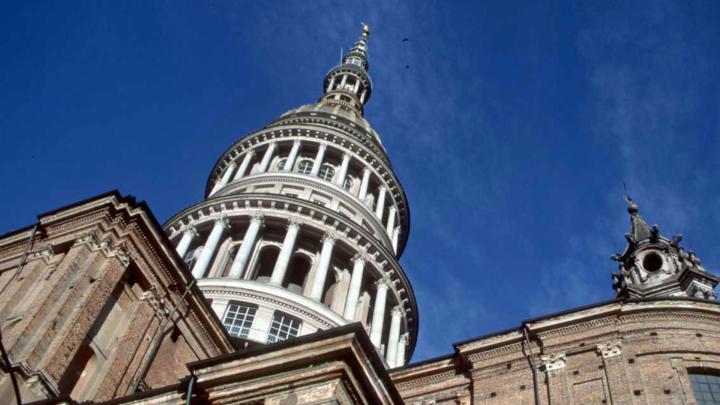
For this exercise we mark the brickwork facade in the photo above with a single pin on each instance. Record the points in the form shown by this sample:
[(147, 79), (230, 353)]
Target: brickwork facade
[(623, 352), (95, 305)]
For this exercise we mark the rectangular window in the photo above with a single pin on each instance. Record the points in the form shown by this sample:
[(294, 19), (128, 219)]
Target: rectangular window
[(282, 327), (239, 318), (706, 388)]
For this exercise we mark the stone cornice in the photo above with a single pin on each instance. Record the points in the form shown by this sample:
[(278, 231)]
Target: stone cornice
[(290, 178)]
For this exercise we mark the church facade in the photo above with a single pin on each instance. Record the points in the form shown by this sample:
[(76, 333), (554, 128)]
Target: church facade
[(283, 286)]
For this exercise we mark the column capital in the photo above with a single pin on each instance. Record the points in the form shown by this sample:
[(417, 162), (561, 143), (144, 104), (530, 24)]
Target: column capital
[(251, 152), (366, 169), (190, 230), (383, 283), (272, 143), (224, 220), (404, 338), (329, 237), (258, 218), (297, 141), (295, 222), (397, 311), (346, 155), (360, 256), (232, 163), (322, 145)]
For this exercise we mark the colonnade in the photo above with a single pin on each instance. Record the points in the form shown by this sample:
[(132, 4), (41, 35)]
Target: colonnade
[(237, 172), (395, 345)]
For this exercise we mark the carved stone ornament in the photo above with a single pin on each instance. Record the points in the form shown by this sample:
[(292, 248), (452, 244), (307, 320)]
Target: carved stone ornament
[(44, 251), (553, 361), (610, 349), (86, 237)]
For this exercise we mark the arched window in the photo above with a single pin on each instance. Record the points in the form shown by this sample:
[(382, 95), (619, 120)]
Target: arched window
[(326, 172), (239, 317), (305, 166), (297, 273), (265, 263), (280, 164), (228, 260), (282, 327), (706, 387)]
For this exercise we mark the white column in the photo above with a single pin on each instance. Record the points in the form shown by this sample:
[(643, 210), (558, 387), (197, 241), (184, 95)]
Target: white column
[(281, 264), (318, 282), (188, 234), (391, 221), (265, 163), (400, 354), (224, 179), (318, 159), (330, 86), (292, 156), (380, 207), (354, 288), (393, 336), (395, 237), (378, 317), (343, 81), (241, 258), (340, 178), (362, 95), (357, 86), (244, 165), (208, 250), (364, 184)]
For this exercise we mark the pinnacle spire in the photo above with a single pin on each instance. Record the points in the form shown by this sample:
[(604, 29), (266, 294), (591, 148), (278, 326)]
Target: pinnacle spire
[(348, 85)]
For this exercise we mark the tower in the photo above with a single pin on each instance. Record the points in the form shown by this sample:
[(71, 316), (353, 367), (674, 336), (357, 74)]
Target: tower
[(654, 266), (303, 224)]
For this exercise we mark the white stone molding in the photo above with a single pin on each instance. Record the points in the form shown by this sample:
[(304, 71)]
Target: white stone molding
[(610, 349)]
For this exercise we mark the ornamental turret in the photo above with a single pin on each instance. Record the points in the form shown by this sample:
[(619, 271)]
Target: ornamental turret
[(303, 224), (655, 266)]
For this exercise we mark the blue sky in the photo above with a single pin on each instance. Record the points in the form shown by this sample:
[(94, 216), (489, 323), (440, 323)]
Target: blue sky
[(512, 129)]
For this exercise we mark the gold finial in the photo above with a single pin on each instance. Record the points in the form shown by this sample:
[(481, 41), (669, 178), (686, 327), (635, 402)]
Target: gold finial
[(366, 29)]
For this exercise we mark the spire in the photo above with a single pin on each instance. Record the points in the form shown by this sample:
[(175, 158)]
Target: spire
[(348, 85), (357, 55), (639, 229)]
